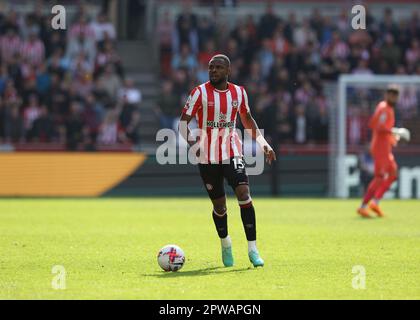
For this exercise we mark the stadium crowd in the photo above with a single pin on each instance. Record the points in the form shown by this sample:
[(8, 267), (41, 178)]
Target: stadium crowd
[(64, 86), (284, 64)]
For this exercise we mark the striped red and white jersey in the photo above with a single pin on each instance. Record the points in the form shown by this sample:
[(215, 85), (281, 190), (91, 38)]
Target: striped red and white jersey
[(216, 112), (34, 52)]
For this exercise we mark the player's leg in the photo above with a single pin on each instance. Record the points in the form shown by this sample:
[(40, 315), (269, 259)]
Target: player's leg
[(212, 176), (370, 192), (392, 175), (373, 186), (220, 222), (238, 179)]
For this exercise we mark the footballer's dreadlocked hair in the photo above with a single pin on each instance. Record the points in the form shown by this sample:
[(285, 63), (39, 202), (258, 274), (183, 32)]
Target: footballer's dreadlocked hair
[(222, 57)]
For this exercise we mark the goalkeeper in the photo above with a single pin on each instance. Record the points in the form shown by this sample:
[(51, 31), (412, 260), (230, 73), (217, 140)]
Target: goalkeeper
[(384, 137)]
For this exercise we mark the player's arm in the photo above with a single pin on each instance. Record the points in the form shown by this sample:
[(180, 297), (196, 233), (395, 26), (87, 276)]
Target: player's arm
[(183, 128), (250, 124), (192, 105)]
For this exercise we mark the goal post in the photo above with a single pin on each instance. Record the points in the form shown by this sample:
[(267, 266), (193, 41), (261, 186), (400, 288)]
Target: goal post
[(339, 160)]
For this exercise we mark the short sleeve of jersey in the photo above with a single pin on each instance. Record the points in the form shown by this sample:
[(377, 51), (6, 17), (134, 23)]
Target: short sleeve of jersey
[(193, 103), (244, 107)]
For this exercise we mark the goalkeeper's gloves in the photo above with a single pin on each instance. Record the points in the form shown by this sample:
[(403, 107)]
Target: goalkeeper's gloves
[(401, 133)]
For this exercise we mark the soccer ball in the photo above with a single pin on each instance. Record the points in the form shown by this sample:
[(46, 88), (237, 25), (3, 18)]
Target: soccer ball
[(171, 258)]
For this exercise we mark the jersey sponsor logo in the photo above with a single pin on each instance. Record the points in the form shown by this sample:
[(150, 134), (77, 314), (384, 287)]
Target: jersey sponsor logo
[(221, 124), (222, 117)]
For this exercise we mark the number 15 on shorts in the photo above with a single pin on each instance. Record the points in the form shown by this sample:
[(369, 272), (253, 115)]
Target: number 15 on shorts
[(238, 163)]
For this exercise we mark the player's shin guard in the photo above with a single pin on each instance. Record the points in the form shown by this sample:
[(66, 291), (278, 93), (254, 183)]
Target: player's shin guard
[(220, 221), (248, 219)]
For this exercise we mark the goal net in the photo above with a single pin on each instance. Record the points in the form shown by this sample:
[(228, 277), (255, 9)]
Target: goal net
[(352, 101)]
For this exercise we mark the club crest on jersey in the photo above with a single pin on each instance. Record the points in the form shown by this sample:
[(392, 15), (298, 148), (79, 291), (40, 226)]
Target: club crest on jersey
[(235, 103)]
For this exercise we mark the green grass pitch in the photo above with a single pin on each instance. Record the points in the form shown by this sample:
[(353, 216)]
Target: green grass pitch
[(108, 248)]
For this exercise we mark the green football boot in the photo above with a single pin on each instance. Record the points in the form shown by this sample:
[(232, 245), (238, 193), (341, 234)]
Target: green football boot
[(227, 256), (255, 259)]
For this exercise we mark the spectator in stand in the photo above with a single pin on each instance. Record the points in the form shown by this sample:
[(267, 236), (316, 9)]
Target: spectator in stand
[(91, 117), (56, 41), (81, 27), (43, 80), (132, 129), (57, 64), (130, 99), (12, 21), (300, 125), (284, 121), (110, 81), (320, 124), (186, 27), (14, 130), (166, 36), (185, 59), (280, 44), (316, 22), (355, 122), (408, 102), (81, 46), (10, 45), (391, 53), (167, 106), (336, 48), (33, 50), (205, 32), (82, 83), (4, 76), (74, 127), (412, 55), (207, 53), (31, 112), (43, 127), (15, 71), (387, 25), (108, 55), (109, 131), (130, 93), (303, 34), (268, 22), (2, 119), (266, 58), (343, 24), (305, 93), (202, 73), (327, 30), (362, 67), (103, 29)]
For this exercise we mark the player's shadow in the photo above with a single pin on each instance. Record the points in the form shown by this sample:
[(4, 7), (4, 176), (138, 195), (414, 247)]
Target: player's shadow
[(196, 273)]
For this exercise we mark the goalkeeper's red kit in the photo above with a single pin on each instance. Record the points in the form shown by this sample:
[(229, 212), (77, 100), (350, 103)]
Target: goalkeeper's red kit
[(381, 123)]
